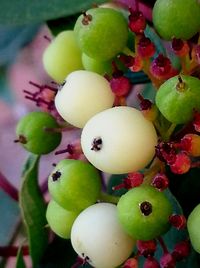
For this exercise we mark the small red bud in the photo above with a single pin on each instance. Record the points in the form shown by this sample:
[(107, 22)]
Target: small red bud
[(182, 163), (131, 263), (137, 64), (196, 121), (161, 67), (180, 47), (120, 85), (160, 181), (181, 250), (147, 248), (178, 221), (137, 22), (191, 144), (146, 48), (151, 262), (167, 261)]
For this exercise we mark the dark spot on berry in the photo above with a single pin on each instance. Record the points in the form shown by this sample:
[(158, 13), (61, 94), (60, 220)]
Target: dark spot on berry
[(146, 208), (55, 176), (22, 139), (87, 18), (96, 144)]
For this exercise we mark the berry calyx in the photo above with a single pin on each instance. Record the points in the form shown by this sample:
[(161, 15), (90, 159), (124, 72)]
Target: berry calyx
[(161, 67), (180, 47), (191, 144)]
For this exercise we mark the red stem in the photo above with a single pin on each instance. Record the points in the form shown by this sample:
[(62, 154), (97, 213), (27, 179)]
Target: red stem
[(8, 187), (163, 246), (10, 251)]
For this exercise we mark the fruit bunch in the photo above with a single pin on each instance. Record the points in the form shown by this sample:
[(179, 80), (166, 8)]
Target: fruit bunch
[(91, 67)]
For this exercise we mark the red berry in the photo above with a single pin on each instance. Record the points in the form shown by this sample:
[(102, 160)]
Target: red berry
[(181, 250), (120, 85), (191, 144), (167, 261), (137, 22), (196, 121), (180, 47), (182, 163), (151, 262), (161, 67), (131, 263), (137, 64), (146, 48), (160, 181), (178, 221), (146, 248)]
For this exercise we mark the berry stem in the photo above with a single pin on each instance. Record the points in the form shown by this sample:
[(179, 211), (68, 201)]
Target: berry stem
[(9, 251), (8, 187), (128, 52), (108, 198), (163, 246)]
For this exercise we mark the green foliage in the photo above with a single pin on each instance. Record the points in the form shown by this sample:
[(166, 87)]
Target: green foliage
[(40, 10), (33, 210)]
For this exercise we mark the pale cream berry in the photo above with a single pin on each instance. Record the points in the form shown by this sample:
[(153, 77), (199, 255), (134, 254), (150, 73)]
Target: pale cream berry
[(83, 95), (98, 237), (119, 140)]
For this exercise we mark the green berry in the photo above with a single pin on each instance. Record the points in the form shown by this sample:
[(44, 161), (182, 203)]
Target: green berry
[(193, 224), (101, 33), (100, 67), (59, 219), (32, 132), (144, 212), (62, 56), (98, 237), (74, 184), (176, 18), (178, 97)]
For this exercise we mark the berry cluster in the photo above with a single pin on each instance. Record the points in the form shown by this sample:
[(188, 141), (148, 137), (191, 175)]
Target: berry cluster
[(89, 66)]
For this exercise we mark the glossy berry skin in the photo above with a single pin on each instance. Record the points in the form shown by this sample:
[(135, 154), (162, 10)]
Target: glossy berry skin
[(144, 212), (83, 95), (100, 67), (60, 220), (193, 224), (62, 56), (37, 139), (119, 140), (176, 18), (178, 100), (74, 184), (98, 237), (101, 33)]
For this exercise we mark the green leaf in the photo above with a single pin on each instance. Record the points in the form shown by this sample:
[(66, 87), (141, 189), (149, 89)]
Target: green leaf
[(33, 210), (19, 260), (24, 12)]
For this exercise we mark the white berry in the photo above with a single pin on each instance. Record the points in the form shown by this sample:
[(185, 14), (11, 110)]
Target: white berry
[(83, 95), (119, 140), (97, 236)]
